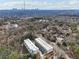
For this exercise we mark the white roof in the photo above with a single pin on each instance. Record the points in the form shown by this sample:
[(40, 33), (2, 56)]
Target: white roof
[(44, 44), (31, 45), (59, 38)]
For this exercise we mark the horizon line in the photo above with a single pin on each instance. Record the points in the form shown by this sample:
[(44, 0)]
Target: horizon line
[(37, 9)]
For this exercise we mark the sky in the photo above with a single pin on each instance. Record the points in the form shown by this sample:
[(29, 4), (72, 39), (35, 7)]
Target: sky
[(40, 4)]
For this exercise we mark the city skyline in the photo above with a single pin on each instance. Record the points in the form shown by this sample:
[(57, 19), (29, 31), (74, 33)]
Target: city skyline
[(39, 4)]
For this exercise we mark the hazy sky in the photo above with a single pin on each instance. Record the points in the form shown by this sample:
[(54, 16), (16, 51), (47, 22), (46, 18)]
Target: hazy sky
[(40, 4)]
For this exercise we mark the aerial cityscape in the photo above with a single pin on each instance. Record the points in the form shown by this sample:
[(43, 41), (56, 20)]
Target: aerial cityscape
[(37, 29)]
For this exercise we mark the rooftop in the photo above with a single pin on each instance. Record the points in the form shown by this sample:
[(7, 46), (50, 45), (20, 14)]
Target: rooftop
[(30, 45), (44, 44)]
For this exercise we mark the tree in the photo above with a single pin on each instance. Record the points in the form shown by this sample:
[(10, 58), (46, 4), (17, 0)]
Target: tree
[(14, 55)]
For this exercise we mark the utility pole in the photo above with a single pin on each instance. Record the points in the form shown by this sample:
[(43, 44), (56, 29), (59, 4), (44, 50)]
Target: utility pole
[(24, 4)]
